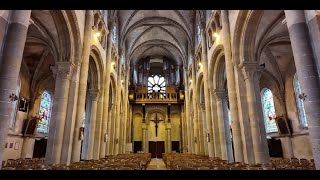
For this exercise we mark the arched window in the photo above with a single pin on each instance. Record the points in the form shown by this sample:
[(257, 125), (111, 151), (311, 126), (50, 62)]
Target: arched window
[(45, 112), (269, 112), (199, 33), (114, 34), (299, 102), (157, 84)]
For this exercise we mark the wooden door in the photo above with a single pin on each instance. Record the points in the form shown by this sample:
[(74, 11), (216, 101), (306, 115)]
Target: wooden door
[(137, 146), (175, 146), (275, 148), (40, 147), (153, 149), (160, 148)]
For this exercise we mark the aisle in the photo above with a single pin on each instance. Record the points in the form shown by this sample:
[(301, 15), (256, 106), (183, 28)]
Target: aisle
[(156, 164)]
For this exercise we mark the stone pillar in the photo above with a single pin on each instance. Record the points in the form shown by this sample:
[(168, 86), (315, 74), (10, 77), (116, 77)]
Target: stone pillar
[(10, 67), (219, 95), (106, 110), (119, 109), (236, 131), (125, 107), (109, 131), (312, 19), (4, 21), (62, 72), (98, 141), (188, 119), (215, 139), (168, 129), (194, 113), (206, 86), (307, 75), (263, 133), (71, 115), (205, 127), (27, 147), (249, 70), (113, 131), (144, 138), (76, 148), (281, 111)]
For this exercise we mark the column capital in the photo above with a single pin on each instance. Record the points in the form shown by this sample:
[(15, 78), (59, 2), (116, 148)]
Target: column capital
[(94, 94), (218, 94), (144, 126), (62, 70), (250, 69), (202, 106), (202, 24)]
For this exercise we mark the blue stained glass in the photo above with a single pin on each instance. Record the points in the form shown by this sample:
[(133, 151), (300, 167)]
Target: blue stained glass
[(269, 112), (300, 106), (45, 112)]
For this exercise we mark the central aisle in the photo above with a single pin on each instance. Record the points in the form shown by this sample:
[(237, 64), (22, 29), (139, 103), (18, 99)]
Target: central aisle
[(156, 164)]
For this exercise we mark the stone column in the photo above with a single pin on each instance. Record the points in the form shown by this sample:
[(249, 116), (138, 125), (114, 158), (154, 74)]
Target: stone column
[(98, 141), (105, 117), (184, 129), (11, 59), (188, 116), (249, 71), (281, 111), (262, 127), (312, 19), (125, 107), (236, 131), (109, 131), (168, 129), (71, 115), (144, 138), (206, 86), (119, 108), (62, 72), (205, 127), (76, 148), (215, 139), (307, 75), (194, 113), (219, 95), (113, 131), (4, 21)]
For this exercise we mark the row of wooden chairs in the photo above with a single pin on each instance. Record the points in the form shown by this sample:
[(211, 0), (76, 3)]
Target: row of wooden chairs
[(113, 162), (197, 162)]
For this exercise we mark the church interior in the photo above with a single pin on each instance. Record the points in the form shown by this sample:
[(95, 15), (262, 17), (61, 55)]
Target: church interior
[(159, 89)]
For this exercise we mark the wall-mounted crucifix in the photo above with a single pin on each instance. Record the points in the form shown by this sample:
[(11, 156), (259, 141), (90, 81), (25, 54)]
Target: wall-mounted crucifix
[(156, 121)]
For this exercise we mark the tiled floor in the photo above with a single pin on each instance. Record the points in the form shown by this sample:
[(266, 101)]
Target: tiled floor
[(156, 164)]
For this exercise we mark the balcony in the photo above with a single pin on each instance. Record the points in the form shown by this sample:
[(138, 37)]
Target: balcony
[(156, 97)]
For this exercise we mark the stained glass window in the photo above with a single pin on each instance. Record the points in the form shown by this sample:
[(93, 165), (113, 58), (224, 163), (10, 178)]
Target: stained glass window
[(229, 117), (199, 33), (299, 102), (269, 112), (157, 84), (114, 34), (45, 112)]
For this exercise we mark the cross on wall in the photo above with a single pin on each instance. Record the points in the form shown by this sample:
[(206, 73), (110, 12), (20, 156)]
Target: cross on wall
[(156, 121)]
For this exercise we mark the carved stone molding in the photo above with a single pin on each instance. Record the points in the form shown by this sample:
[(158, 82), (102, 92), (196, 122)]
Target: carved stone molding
[(94, 94), (218, 94), (62, 70), (249, 69)]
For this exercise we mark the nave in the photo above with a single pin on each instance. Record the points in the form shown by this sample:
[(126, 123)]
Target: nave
[(132, 89)]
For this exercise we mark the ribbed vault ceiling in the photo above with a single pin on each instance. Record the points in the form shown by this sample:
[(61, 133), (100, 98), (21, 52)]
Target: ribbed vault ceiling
[(166, 33)]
